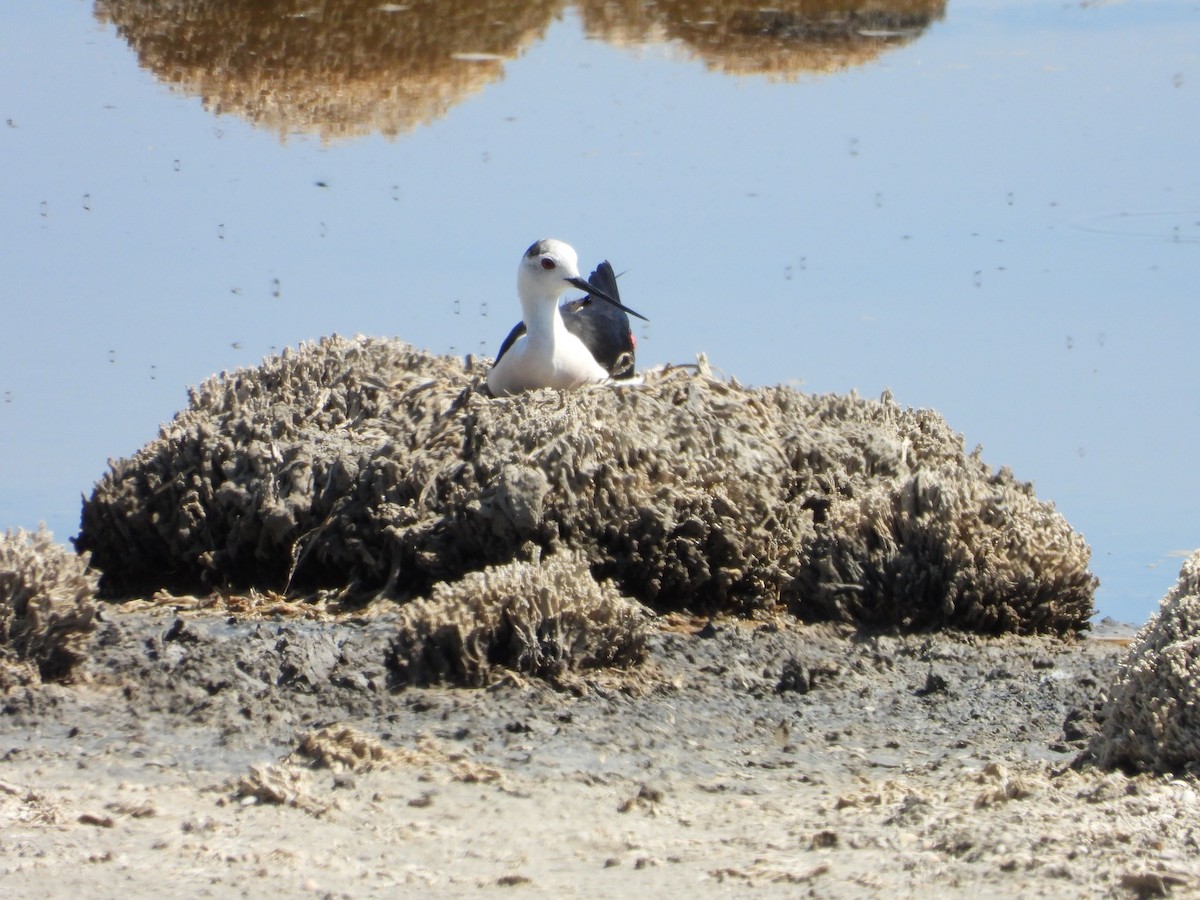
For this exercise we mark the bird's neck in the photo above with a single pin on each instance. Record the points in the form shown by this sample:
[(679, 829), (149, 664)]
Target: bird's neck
[(543, 321)]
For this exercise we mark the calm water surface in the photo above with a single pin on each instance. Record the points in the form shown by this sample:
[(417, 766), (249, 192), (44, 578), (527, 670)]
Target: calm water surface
[(990, 207)]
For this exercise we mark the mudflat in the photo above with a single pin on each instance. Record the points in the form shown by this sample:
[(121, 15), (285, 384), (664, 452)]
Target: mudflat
[(264, 749)]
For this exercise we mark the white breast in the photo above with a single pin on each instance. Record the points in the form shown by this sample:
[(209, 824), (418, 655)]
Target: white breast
[(525, 367)]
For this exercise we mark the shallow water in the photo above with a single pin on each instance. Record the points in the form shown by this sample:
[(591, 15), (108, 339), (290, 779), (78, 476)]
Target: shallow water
[(996, 214)]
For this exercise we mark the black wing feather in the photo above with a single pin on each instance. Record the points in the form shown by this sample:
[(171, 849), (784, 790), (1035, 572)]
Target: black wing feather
[(603, 328), (518, 330)]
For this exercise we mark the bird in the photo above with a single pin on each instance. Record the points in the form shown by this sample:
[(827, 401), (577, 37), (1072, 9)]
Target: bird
[(582, 342)]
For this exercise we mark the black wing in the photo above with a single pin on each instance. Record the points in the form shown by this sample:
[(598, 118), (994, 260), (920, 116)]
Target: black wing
[(603, 328), (518, 330)]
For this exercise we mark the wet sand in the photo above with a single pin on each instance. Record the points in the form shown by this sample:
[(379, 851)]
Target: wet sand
[(246, 749)]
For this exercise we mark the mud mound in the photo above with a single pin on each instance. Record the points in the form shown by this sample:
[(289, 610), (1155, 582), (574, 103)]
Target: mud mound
[(1152, 715), (46, 607), (542, 617), (369, 465)]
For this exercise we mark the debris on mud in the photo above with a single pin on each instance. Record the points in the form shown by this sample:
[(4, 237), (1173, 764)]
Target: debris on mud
[(343, 748)]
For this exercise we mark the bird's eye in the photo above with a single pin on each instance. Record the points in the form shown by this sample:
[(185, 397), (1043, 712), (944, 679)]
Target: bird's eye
[(547, 263)]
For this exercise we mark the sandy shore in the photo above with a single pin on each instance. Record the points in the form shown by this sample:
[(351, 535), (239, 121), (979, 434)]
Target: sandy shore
[(210, 752)]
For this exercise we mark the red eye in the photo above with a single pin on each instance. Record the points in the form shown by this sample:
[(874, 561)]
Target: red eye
[(547, 263)]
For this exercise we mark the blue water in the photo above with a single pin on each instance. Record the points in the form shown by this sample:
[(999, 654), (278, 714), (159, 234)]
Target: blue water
[(999, 219)]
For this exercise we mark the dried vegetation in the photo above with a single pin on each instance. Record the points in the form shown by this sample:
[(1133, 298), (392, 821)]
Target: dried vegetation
[(543, 618), (369, 466), (46, 608), (1152, 715)]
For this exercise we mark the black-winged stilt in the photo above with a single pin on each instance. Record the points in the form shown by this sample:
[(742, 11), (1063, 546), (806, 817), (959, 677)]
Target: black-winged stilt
[(581, 342)]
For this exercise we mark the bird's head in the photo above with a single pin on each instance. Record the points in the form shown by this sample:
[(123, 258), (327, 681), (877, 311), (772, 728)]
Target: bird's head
[(547, 269)]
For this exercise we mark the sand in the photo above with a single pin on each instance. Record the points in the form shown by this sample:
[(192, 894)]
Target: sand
[(239, 746)]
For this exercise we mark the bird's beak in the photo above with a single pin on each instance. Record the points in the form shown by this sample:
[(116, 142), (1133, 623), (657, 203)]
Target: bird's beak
[(589, 288)]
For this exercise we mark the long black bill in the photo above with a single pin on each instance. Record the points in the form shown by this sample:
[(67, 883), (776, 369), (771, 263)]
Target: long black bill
[(589, 288)]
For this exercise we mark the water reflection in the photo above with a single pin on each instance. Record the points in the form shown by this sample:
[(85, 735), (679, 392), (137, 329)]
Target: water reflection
[(780, 40), (337, 68), (345, 68)]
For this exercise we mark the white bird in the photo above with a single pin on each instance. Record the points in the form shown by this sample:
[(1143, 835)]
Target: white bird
[(592, 344)]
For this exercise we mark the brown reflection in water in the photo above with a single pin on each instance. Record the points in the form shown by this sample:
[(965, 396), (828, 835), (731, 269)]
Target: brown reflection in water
[(780, 39), (344, 68), (335, 68)]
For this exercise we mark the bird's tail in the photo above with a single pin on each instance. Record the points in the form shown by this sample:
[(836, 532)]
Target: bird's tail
[(605, 279)]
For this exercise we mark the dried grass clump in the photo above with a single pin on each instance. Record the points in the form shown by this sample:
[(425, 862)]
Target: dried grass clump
[(241, 487), (546, 618), (936, 547), (1152, 715), (46, 606), (368, 465)]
